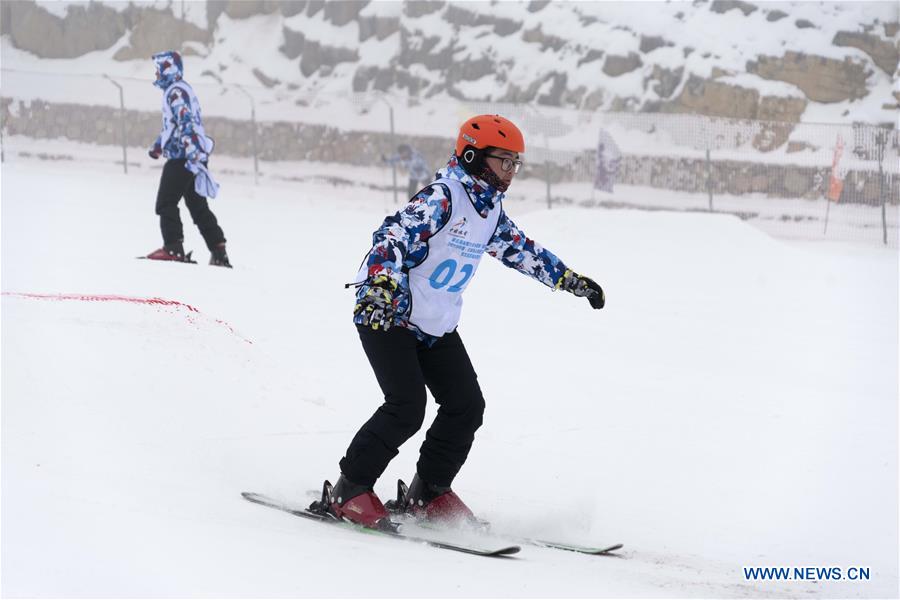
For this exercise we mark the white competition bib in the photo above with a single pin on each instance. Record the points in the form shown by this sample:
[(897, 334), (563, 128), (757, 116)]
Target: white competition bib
[(454, 253)]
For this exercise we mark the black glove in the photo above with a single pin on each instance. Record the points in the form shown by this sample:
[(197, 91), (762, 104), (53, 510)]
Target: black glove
[(377, 306), (583, 287), (155, 152)]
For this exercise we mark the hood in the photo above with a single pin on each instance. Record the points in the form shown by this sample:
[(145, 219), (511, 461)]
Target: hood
[(169, 68)]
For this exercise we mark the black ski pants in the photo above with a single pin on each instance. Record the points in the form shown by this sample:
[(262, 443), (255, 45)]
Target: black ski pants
[(404, 366), (415, 186), (177, 182)]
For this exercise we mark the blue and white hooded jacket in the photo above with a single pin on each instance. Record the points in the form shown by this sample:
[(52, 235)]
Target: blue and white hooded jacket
[(401, 243), (182, 135)]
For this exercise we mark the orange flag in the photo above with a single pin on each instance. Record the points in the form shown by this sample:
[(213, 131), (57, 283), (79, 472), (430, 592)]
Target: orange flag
[(836, 181)]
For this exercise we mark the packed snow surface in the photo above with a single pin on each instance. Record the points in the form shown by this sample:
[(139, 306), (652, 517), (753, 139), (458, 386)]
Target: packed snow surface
[(735, 403)]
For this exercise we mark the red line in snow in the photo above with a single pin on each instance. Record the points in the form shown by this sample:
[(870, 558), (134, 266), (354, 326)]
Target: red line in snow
[(102, 298), (115, 298)]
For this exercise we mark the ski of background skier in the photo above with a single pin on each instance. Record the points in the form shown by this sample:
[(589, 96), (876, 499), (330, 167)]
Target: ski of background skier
[(187, 259), (263, 500)]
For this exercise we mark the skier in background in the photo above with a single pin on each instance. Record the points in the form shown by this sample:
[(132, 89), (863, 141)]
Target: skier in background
[(411, 160), (407, 309), (608, 159), (185, 144)]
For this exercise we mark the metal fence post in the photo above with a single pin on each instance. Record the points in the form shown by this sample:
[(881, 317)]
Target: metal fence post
[(881, 140), (547, 175), (547, 167), (393, 144), (253, 134), (122, 122)]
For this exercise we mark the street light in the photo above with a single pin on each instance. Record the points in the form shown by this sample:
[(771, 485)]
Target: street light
[(393, 145), (121, 120), (253, 138)]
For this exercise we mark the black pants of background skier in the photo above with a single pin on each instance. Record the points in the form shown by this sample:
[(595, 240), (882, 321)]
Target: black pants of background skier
[(414, 186), (404, 366), (176, 183)]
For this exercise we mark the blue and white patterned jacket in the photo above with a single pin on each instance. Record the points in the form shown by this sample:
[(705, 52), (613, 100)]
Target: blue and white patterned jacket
[(182, 134), (402, 241)]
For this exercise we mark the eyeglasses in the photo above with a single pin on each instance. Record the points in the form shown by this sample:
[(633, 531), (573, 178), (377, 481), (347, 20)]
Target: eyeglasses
[(507, 164)]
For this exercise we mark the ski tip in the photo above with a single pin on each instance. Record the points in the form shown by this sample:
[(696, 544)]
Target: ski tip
[(591, 550), (508, 551), (257, 498)]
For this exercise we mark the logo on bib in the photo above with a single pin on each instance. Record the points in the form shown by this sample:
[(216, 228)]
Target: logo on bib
[(458, 229)]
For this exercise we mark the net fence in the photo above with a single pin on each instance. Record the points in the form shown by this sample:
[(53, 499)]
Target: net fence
[(793, 180)]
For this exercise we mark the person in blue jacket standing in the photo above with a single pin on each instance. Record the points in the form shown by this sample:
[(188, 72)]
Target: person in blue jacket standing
[(412, 160), (408, 305), (185, 175)]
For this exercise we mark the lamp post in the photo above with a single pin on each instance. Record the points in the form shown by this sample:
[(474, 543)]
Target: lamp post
[(393, 145), (121, 121), (253, 135)]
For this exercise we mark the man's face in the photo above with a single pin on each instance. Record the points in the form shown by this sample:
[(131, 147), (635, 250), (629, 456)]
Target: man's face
[(161, 66), (498, 159)]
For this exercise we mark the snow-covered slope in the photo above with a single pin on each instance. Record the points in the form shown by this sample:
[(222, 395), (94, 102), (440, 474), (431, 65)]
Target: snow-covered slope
[(812, 61), (735, 404)]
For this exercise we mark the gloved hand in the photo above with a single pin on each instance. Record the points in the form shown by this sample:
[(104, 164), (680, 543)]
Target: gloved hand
[(377, 305), (583, 287), (155, 152)]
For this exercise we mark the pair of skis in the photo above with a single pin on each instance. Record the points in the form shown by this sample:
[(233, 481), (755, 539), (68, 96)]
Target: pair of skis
[(317, 512), (326, 518)]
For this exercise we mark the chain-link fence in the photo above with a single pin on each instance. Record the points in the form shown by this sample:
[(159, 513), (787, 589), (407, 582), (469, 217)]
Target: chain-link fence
[(794, 180)]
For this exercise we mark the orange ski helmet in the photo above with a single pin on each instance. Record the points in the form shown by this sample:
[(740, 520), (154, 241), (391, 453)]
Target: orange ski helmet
[(485, 131)]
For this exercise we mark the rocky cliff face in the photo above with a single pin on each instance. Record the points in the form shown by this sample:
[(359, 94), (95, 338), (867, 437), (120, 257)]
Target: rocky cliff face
[(676, 57)]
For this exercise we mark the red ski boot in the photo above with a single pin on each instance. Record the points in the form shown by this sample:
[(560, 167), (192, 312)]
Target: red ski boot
[(174, 251), (437, 503), (359, 504)]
